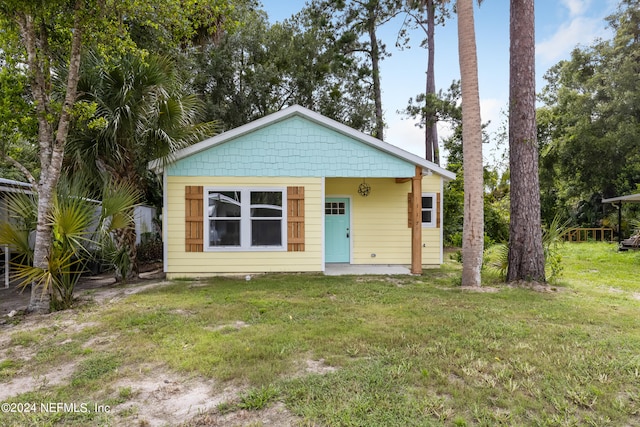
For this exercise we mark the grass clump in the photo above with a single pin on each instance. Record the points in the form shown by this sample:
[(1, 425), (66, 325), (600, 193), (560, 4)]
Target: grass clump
[(94, 368)]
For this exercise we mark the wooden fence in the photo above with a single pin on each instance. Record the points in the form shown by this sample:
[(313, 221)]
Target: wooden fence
[(602, 234)]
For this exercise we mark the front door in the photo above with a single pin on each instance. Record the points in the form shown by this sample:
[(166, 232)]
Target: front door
[(337, 232)]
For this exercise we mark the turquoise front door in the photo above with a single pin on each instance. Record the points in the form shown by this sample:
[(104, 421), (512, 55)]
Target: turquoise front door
[(337, 232)]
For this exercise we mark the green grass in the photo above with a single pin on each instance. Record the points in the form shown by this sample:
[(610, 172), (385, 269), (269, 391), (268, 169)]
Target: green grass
[(408, 350)]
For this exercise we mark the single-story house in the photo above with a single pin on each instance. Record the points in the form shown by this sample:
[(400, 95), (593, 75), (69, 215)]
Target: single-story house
[(295, 191)]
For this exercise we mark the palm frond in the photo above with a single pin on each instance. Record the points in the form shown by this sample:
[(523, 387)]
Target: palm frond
[(71, 221), (16, 238), (23, 208), (119, 199)]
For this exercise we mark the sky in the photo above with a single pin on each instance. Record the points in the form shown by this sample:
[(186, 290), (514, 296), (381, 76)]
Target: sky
[(561, 25)]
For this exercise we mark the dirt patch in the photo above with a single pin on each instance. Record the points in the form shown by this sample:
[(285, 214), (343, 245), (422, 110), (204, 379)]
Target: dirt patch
[(480, 289), (318, 367), (153, 395), (229, 327), (16, 298), (160, 398), (23, 384), (534, 286), (275, 415)]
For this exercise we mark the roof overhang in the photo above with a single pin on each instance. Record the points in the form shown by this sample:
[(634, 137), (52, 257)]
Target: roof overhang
[(11, 186), (632, 198), (428, 167)]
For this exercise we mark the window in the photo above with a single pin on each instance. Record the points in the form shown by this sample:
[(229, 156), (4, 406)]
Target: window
[(334, 208), (429, 210), (245, 218)]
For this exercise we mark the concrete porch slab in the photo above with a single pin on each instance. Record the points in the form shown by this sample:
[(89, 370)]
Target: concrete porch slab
[(363, 269)]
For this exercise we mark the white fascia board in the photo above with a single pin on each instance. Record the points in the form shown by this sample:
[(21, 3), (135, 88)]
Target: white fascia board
[(632, 198)]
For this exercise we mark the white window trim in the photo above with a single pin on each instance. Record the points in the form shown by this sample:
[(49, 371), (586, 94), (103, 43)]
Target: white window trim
[(434, 210), (245, 220)]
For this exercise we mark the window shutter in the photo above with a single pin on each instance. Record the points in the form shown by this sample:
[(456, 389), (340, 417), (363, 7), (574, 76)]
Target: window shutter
[(194, 221), (295, 219), (409, 209), (437, 210)]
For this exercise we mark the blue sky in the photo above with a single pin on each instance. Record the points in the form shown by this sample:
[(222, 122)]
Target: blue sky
[(561, 25)]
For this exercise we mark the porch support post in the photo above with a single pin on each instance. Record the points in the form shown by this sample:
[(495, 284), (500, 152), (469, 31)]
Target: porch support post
[(416, 222), (619, 223)]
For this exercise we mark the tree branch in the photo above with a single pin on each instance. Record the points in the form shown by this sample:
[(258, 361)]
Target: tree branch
[(28, 33), (21, 168)]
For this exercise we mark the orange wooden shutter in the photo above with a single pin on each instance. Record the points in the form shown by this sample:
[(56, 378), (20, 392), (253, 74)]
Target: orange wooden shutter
[(194, 221), (295, 219)]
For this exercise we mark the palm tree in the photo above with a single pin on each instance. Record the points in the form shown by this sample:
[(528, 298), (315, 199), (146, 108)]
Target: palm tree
[(141, 113), (81, 227), (526, 254), (473, 224)]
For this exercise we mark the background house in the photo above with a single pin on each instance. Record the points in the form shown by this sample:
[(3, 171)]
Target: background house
[(294, 191), (143, 219)]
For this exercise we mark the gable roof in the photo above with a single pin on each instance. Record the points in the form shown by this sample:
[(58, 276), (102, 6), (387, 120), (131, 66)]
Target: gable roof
[(296, 110)]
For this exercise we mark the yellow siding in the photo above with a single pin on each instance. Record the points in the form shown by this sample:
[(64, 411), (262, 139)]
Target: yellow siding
[(431, 184), (380, 221), (193, 264), (432, 237)]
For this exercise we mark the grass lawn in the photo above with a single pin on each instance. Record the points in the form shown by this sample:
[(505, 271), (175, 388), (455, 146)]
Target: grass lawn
[(407, 351)]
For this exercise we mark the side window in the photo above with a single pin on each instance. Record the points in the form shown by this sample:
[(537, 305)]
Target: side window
[(429, 213)]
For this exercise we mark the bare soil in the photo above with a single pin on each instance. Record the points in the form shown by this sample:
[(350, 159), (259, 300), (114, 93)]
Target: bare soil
[(157, 396)]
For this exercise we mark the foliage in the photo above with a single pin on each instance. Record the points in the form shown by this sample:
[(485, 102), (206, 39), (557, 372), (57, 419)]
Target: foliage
[(496, 185), (357, 24), (137, 112), (46, 40), (496, 207), (426, 14), (588, 126), (150, 250), (551, 244), (18, 127), (261, 68), (80, 227), (551, 241), (140, 113)]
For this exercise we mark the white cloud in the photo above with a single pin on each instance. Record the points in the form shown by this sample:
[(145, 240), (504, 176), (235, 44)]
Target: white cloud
[(576, 7), (491, 111), (404, 134), (578, 31)]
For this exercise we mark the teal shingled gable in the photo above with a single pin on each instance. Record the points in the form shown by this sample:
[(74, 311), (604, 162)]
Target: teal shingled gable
[(294, 146)]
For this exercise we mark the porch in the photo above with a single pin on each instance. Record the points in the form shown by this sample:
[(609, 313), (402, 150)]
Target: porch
[(343, 269)]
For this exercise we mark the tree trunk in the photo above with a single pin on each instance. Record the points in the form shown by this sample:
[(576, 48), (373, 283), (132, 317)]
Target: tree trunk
[(526, 255), (51, 147), (375, 67), (431, 130), (473, 226), (125, 239)]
